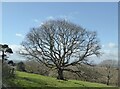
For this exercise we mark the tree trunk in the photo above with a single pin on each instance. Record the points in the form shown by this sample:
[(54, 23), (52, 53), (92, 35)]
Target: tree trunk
[(108, 80), (3, 56), (60, 74)]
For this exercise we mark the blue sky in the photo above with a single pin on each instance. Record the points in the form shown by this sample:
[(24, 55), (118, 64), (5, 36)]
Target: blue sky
[(18, 18)]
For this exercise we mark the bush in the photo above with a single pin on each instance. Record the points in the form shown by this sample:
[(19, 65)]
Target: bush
[(7, 71), (21, 66)]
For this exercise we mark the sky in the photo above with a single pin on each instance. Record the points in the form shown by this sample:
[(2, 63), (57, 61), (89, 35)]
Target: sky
[(19, 17)]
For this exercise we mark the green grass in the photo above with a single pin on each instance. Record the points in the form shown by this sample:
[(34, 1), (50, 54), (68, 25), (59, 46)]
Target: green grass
[(29, 80)]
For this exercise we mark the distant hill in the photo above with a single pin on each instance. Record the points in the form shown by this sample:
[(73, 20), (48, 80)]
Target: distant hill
[(113, 63)]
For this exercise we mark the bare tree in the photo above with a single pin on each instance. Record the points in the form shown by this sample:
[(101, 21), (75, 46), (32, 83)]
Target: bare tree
[(59, 44), (109, 74), (110, 65)]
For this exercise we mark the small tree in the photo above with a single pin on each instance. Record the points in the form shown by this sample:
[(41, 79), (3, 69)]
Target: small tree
[(59, 44), (109, 66), (5, 68), (21, 66)]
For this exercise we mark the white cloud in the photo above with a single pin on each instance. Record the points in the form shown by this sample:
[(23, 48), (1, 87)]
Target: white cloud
[(19, 35), (110, 54), (112, 45), (110, 51), (15, 56), (15, 47)]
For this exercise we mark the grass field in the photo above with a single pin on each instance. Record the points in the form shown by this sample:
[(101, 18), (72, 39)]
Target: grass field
[(28, 81)]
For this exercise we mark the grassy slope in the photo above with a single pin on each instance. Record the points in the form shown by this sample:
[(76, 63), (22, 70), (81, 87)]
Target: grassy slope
[(33, 80)]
